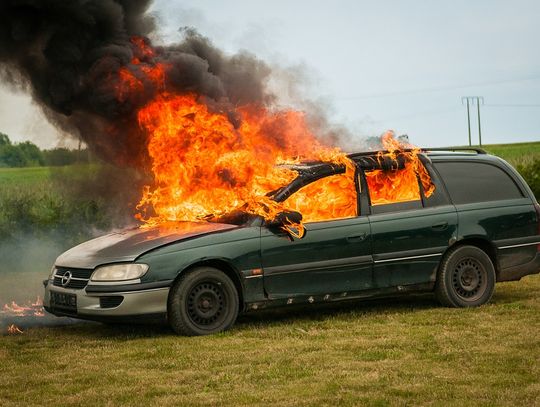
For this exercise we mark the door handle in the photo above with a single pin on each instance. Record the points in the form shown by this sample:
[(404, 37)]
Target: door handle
[(440, 226), (357, 238)]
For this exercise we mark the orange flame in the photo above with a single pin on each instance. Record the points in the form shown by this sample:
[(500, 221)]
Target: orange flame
[(399, 185), (30, 308), (205, 166), (148, 73), (14, 329)]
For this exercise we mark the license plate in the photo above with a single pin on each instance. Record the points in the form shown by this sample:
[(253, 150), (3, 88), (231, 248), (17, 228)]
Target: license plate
[(63, 301)]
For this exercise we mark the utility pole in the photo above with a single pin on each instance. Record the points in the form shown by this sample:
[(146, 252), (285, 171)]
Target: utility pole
[(468, 118), (473, 100), (478, 99)]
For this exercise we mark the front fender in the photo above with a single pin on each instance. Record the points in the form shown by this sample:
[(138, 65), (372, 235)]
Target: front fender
[(239, 248)]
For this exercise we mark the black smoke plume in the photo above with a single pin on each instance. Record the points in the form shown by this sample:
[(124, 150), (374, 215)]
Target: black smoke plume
[(69, 54)]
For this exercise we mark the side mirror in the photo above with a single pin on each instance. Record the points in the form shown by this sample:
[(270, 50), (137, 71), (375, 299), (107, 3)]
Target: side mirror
[(289, 222), (288, 216)]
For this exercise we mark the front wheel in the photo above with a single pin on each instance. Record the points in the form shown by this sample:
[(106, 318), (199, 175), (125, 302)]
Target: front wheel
[(202, 302), (466, 278)]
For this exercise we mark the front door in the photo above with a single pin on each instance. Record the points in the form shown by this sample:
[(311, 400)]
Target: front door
[(333, 258)]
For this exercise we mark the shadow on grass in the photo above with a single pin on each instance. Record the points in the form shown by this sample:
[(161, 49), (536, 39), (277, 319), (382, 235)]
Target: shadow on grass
[(505, 293), (283, 316)]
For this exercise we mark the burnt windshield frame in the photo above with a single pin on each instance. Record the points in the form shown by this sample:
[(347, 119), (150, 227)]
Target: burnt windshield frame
[(308, 176), (316, 173)]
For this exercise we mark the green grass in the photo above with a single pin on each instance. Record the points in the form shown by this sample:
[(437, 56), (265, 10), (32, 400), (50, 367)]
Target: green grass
[(71, 200), (516, 153), (386, 353), (24, 176)]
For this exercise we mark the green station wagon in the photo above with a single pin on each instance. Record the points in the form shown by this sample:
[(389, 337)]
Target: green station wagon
[(481, 225)]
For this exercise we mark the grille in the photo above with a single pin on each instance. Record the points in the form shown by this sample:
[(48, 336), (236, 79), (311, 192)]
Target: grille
[(110, 302), (79, 277)]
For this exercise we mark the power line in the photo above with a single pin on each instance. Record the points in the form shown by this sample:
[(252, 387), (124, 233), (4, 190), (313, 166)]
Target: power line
[(434, 89), (423, 113), (510, 105)]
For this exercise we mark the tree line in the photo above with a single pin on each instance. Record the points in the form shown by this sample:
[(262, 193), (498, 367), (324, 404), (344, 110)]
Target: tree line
[(27, 154)]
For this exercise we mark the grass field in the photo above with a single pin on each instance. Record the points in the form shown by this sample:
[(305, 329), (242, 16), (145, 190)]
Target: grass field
[(386, 353), (23, 176), (517, 153)]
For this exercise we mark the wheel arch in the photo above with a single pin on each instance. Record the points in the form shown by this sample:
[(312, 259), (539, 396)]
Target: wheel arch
[(221, 264), (483, 244)]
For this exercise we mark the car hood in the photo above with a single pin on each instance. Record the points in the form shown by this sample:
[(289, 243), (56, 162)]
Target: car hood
[(129, 244)]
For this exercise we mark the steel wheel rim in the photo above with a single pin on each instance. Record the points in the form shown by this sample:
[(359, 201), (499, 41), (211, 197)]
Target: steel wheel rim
[(206, 304), (469, 279)]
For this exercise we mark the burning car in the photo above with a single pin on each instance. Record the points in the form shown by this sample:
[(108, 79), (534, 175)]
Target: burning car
[(382, 223)]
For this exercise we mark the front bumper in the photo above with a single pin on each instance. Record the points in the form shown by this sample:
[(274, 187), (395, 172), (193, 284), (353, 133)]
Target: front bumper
[(137, 302)]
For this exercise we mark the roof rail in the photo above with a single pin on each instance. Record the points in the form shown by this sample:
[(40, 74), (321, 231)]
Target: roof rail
[(376, 152), (475, 149), (423, 150)]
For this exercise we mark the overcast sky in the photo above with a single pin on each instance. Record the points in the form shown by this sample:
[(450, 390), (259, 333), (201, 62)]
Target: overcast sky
[(376, 65)]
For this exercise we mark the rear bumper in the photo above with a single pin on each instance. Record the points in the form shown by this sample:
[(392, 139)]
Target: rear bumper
[(135, 305), (517, 272)]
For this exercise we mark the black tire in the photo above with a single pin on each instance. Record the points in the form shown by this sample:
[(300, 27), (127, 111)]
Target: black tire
[(203, 301), (466, 278)]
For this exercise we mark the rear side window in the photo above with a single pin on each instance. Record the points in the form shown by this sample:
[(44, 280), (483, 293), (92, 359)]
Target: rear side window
[(389, 187), (469, 182)]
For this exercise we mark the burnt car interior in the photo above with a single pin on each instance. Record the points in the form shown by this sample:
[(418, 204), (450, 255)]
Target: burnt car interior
[(372, 169)]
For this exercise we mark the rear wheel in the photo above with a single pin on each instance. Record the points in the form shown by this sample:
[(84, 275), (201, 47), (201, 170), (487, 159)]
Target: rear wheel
[(203, 301), (466, 278)]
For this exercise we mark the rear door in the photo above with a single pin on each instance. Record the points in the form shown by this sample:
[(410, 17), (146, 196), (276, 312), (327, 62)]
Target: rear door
[(334, 257), (409, 231)]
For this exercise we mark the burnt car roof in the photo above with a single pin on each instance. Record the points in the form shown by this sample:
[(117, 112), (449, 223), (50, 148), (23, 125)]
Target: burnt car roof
[(366, 158), (309, 171)]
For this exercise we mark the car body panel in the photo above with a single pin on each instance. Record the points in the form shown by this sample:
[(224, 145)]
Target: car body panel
[(334, 256), (125, 246), (498, 222), (239, 248), (408, 245)]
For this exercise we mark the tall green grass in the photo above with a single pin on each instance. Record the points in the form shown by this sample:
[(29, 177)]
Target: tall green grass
[(517, 154), (73, 201)]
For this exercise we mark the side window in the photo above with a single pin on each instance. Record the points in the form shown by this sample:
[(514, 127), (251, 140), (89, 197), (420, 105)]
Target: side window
[(332, 197), (392, 186), (469, 182), (399, 189)]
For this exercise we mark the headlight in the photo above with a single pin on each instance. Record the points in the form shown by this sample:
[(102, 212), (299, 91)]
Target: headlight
[(118, 272), (53, 270)]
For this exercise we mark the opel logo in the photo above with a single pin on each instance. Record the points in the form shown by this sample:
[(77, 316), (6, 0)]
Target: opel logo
[(66, 278)]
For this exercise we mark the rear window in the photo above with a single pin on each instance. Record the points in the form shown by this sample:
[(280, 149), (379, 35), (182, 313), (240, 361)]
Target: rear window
[(469, 182)]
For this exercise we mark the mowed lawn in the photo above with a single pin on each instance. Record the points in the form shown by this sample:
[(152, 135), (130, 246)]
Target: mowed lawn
[(407, 351)]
